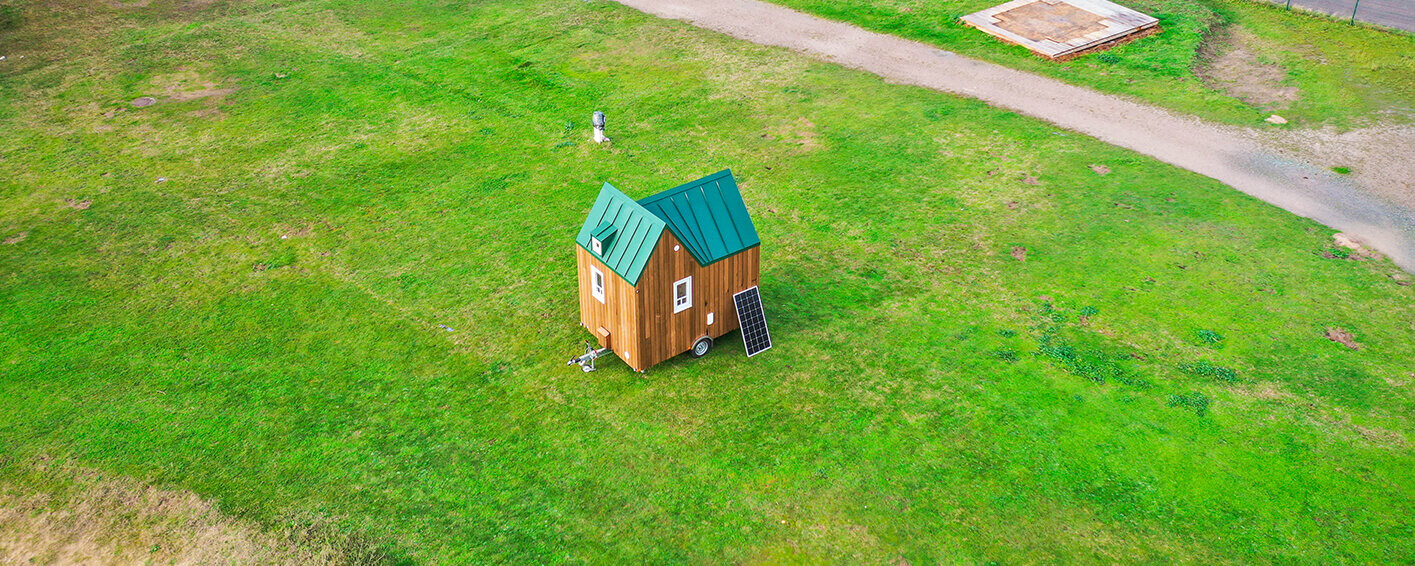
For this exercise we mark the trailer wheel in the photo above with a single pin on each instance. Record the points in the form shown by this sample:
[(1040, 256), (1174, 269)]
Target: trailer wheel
[(701, 347)]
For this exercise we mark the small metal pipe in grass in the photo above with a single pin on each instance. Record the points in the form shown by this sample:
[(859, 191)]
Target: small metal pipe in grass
[(1353, 11), (597, 119)]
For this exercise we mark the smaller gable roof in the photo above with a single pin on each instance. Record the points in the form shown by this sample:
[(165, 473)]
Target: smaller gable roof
[(707, 215), (636, 232)]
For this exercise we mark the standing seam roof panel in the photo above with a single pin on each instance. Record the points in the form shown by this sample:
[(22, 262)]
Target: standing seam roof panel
[(637, 232), (729, 224), (706, 224), (708, 216), (684, 217)]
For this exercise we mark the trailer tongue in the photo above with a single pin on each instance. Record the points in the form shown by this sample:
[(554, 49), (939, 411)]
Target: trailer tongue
[(586, 362)]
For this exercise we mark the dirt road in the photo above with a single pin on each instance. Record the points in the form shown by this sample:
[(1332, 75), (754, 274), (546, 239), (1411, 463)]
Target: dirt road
[(1248, 160)]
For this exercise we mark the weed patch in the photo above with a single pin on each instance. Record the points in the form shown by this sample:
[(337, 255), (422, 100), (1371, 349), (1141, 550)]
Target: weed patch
[(1196, 402), (1093, 364), (1206, 369)]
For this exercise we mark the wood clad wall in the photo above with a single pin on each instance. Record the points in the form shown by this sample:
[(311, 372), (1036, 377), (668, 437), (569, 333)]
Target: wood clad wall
[(619, 313), (665, 334)]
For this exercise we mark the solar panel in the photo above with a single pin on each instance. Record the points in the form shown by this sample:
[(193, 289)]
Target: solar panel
[(752, 319)]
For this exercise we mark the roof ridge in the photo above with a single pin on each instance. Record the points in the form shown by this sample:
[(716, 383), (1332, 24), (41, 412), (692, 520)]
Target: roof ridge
[(685, 187)]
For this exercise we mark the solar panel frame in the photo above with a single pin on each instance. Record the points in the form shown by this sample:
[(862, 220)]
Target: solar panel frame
[(750, 333)]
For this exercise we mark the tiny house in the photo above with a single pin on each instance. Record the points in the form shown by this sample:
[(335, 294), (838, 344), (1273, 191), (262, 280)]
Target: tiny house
[(665, 275)]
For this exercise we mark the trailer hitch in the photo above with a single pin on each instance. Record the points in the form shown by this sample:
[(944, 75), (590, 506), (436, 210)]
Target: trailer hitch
[(586, 362)]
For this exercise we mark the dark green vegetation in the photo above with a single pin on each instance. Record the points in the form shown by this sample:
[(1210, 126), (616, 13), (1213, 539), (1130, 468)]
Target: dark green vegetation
[(1344, 75), (985, 349)]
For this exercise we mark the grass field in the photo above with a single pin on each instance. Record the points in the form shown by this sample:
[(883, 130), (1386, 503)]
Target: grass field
[(986, 349), (1344, 76)]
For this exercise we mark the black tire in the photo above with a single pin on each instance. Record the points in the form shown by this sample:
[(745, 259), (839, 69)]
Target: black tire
[(701, 347)]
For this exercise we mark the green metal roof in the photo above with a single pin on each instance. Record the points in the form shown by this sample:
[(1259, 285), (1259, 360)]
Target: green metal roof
[(707, 215), (636, 232)]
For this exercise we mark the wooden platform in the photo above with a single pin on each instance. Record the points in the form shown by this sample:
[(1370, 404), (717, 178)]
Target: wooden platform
[(1058, 29)]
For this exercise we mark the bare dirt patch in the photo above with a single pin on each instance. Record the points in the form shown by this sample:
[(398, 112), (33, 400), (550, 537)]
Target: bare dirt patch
[(1019, 253), (78, 204), (1229, 65), (1358, 251), (82, 517), (1101, 170), (187, 86), (17, 238), (1342, 336)]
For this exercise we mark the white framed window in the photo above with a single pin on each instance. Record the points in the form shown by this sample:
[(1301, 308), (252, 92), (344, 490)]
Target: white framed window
[(597, 283), (596, 246), (682, 294)]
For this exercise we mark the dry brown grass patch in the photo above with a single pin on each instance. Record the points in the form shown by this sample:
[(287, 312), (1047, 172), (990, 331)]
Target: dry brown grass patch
[(79, 516)]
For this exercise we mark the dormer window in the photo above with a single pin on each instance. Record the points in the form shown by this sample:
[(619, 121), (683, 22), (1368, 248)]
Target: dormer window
[(601, 238)]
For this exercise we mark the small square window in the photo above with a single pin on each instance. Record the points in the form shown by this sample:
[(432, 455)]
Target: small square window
[(682, 294), (596, 246), (597, 283)]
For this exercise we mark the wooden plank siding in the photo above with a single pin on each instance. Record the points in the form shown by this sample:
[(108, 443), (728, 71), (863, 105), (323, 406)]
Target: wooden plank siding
[(619, 313), (666, 334), (643, 329)]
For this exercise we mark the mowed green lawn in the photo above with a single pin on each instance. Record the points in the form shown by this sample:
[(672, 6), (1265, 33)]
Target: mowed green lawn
[(985, 349), (1346, 76)]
